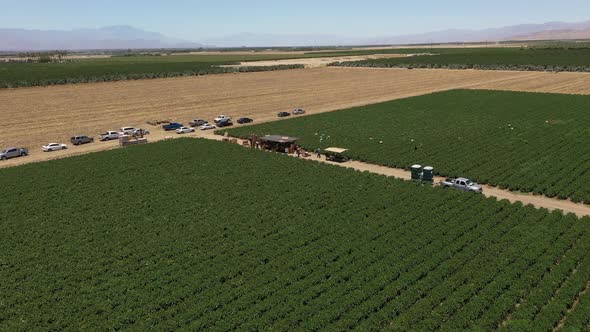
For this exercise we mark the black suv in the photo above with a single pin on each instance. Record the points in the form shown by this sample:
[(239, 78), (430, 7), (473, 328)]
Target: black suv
[(283, 114), (224, 123), (244, 120)]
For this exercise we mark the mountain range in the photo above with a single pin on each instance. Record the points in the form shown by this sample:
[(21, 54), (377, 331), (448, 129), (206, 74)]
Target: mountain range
[(127, 37), (113, 37)]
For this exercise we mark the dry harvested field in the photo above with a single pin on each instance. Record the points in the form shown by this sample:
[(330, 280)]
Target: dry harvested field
[(317, 62), (35, 116)]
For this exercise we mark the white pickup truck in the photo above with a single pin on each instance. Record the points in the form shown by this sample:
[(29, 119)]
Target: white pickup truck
[(109, 135), (462, 184), (13, 153), (222, 118)]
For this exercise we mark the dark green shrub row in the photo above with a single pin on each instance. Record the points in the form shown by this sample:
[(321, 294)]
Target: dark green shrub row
[(551, 68), (200, 235), (140, 76)]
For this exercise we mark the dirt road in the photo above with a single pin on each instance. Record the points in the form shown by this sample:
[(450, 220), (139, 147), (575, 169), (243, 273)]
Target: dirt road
[(551, 204), (32, 117), (581, 210)]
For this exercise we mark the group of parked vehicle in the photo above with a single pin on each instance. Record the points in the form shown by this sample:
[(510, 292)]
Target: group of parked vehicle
[(297, 111), (14, 152), (220, 122)]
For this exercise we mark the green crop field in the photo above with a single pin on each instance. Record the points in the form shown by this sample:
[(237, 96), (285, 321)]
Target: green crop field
[(142, 67), (204, 235), (532, 59), (124, 68), (527, 142)]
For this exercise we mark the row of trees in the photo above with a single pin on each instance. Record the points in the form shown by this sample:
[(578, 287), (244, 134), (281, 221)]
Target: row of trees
[(550, 68), (347, 250), (40, 57)]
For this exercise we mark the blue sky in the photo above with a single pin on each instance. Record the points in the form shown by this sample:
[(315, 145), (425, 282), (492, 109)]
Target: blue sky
[(195, 20)]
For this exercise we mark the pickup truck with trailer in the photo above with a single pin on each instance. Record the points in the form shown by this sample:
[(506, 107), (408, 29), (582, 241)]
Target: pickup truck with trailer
[(13, 153), (81, 139), (109, 135), (462, 184), (139, 132), (172, 126)]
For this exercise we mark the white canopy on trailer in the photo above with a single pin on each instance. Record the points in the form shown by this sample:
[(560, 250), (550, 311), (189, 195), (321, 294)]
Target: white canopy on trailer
[(336, 150)]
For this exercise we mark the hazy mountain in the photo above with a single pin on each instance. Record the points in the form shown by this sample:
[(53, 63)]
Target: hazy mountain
[(446, 36), (126, 37), (114, 37), (272, 40), (495, 34), (557, 35)]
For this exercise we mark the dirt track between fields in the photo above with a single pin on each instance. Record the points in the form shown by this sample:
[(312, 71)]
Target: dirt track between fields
[(551, 204), (537, 201)]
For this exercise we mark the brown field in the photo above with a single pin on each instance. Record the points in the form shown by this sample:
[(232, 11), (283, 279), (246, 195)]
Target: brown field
[(317, 62), (35, 116)]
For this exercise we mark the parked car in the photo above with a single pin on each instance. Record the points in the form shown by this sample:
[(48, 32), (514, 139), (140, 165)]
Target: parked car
[(126, 130), (283, 114), (207, 126), (225, 123), (13, 153), (197, 122), (462, 184), (81, 139), (53, 147), (298, 111), (172, 126), (221, 117), (185, 130), (109, 135), (244, 120)]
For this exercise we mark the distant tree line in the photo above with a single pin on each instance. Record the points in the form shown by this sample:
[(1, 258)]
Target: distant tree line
[(509, 67), (40, 57), (139, 76)]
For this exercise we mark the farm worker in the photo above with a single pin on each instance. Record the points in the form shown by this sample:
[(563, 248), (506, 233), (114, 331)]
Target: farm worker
[(298, 151), (318, 152)]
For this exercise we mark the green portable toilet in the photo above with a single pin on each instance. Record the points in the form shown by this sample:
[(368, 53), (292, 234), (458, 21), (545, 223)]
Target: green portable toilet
[(417, 172), (428, 174)]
